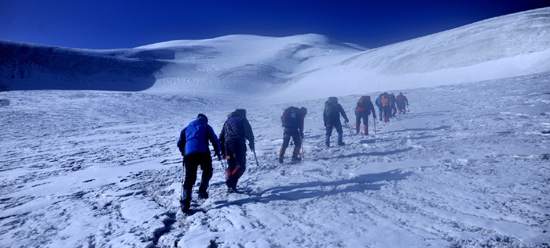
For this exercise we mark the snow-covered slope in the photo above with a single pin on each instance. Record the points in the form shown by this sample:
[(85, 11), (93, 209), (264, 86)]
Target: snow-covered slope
[(30, 67), (245, 63), (512, 45), (467, 167), (234, 64)]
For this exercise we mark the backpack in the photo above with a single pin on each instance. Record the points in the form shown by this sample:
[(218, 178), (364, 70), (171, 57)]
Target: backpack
[(291, 117), (378, 101), (234, 128), (385, 100), (399, 99), (363, 104), (331, 106)]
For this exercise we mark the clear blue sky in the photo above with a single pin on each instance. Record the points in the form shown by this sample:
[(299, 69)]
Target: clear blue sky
[(106, 24)]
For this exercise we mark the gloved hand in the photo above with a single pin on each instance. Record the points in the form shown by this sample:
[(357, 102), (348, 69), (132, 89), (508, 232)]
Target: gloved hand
[(217, 154), (346, 123), (251, 145), (183, 154)]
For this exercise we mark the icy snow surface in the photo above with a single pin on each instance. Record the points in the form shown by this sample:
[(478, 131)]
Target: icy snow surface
[(468, 166)]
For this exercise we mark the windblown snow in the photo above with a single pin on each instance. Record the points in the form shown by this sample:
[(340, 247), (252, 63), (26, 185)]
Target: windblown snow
[(88, 156)]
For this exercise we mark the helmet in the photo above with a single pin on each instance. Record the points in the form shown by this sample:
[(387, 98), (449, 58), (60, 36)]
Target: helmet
[(304, 110), (203, 117)]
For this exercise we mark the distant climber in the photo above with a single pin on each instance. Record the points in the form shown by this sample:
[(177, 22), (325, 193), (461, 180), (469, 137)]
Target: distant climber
[(385, 101), (293, 124), (378, 103), (402, 103), (362, 111), (331, 118), (392, 104)]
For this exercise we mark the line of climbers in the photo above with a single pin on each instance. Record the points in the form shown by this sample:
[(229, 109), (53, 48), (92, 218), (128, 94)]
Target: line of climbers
[(194, 139), (389, 105)]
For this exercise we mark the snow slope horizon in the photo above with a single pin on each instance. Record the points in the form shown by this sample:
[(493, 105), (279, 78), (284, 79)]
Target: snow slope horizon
[(285, 68)]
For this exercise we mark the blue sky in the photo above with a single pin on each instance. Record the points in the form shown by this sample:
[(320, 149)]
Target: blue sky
[(108, 24)]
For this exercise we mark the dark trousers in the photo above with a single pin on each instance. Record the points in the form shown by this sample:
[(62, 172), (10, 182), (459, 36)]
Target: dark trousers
[(364, 115), (236, 162), (295, 135), (336, 125), (339, 130), (401, 108), (387, 113), (191, 163)]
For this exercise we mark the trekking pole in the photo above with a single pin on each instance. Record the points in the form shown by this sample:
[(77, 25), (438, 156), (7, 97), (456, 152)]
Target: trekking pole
[(224, 167), (302, 147), (350, 133), (257, 164), (182, 178), (374, 124)]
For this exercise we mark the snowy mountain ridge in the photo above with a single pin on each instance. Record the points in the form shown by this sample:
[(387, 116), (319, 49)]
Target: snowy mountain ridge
[(512, 45)]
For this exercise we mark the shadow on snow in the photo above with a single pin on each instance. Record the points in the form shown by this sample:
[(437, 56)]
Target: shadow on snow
[(318, 189)]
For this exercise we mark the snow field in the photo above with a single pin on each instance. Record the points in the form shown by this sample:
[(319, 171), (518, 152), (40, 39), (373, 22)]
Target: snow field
[(467, 167)]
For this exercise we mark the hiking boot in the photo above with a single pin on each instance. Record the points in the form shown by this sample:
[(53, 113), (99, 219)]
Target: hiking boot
[(232, 190), (341, 143), (203, 195), (185, 206), (296, 159), (281, 159)]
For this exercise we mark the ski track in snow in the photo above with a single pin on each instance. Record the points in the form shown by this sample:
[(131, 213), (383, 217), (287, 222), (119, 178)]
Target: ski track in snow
[(467, 167)]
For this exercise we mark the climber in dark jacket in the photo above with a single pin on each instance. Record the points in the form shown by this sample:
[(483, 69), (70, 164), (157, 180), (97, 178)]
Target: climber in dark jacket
[(236, 130), (331, 118), (362, 111)]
